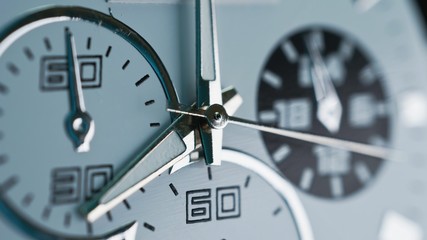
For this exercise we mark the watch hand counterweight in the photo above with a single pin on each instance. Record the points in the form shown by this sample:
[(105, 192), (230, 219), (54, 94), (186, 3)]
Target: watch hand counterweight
[(79, 124), (329, 109), (356, 147), (208, 74)]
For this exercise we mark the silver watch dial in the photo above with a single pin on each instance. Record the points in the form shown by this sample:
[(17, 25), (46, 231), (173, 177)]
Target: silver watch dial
[(241, 199), (61, 67)]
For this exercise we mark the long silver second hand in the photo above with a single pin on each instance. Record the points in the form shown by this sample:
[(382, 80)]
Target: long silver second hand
[(368, 150)]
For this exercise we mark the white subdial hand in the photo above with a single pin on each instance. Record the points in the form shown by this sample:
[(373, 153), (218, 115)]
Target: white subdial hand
[(329, 108)]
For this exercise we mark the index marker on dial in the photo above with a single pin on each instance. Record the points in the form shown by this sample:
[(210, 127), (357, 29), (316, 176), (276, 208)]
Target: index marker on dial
[(208, 74), (329, 109), (79, 124)]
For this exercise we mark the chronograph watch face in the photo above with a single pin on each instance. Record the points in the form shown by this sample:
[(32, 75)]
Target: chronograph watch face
[(286, 100), (213, 119)]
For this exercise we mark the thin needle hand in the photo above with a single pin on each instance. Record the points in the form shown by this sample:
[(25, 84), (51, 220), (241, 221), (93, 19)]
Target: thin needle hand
[(79, 124), (365, 149)]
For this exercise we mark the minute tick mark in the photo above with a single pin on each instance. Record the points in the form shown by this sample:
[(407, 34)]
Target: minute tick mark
[(147, 103), (46, 213), (89, 228), (209, 173), (149, 227), (13, 68), (3, 89), (277, 211), (47, 44), (142, 190), (9, 183), (154, 124), (109, 216), (67, 220), (126, 203), (125, 65), (107, 53), (28, 53), (89, 43), (27, 200), (3, 159), (248, 179), (172, 187), (140, 81)]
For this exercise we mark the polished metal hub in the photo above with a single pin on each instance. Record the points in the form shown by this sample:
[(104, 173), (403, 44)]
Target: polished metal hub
[(217, 116)]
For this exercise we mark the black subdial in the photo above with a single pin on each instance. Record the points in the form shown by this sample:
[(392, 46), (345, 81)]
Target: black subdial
[(322, 82)]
